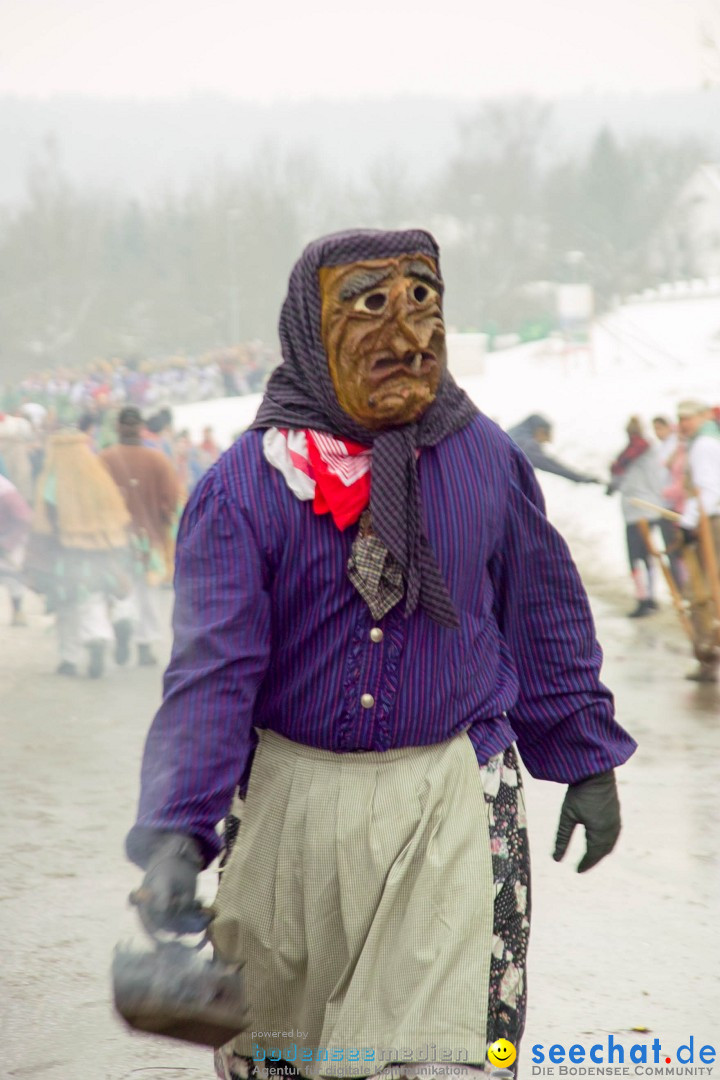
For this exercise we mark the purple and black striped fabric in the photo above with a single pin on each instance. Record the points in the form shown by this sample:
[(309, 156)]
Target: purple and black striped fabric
[(300, 394), (270, 633)]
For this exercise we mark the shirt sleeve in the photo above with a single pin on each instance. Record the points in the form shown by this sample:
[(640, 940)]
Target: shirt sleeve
[(704, 462), (201, 738), (563, 716), (537, 457)]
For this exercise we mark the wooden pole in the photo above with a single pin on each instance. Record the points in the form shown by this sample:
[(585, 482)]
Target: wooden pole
[(659, 511), (677, 598), (710, 565)]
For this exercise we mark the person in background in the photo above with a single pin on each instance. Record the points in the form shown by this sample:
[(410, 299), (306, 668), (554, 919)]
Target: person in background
[(666, 436), (89, 424), (532, 435), (158, 433), (17, 439), (15, 517), (209, 449), (80, 522), (35, 413), (151, 491), (671, 453), (697, 425), (637, 474), (189, 463)]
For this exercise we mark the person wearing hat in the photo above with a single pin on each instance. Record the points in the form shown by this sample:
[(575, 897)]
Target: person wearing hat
[(371, 611), (696, 424), (151, 491)]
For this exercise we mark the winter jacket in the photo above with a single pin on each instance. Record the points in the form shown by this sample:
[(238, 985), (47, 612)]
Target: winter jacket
[(148, 483), (641, 478)]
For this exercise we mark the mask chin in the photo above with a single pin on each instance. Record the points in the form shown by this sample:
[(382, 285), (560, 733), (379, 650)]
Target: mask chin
[(395, 408)]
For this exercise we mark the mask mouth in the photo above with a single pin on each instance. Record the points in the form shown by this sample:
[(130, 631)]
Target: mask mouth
[(416, 364)]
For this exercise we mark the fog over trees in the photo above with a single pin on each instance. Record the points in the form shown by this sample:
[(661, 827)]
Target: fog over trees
[(89, 270)]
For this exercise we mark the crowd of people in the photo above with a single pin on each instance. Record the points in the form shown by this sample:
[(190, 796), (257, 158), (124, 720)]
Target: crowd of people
[(52, 475), (670, 502), (673, 488), (65, 392), (91, 493), (88, 521)]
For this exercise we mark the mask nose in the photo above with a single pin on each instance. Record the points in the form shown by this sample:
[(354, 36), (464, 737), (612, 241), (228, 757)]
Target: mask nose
[(406, 336)]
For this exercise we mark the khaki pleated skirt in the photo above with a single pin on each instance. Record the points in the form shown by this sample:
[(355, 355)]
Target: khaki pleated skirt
[(359, 897)]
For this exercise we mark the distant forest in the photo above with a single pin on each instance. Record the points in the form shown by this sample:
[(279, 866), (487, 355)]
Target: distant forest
[(87, 272)]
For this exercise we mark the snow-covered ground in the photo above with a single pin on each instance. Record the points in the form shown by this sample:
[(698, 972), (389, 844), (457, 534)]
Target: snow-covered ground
[(643, 359)]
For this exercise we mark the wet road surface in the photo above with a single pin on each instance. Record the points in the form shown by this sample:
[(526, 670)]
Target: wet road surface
[(632, 944)]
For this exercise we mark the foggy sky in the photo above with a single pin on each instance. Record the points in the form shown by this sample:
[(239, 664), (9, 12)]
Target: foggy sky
[(326, 48)]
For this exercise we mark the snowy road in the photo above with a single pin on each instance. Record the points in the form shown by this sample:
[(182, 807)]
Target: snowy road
[(633, 944)]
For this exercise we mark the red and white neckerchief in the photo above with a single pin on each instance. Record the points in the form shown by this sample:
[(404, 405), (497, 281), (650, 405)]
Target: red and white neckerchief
[(334, 473)]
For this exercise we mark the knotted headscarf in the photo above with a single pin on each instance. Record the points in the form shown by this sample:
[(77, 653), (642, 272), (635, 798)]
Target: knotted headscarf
[(300, 394)]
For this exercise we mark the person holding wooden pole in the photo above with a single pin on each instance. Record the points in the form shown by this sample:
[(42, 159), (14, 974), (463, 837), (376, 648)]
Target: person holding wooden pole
[(701, 524)]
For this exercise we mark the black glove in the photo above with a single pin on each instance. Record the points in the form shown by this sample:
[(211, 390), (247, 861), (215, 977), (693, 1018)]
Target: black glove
[(594, 804), (166, 898)]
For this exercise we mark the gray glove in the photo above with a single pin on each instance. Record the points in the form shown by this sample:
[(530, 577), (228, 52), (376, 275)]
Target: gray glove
[(594, 804), (166, 898)]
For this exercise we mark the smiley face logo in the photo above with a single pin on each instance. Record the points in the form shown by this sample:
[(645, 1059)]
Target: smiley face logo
[(501, 1053)]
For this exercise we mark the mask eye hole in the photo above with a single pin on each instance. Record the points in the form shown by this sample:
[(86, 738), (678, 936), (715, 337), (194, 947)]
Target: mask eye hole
[(421, 292), (374, 301)]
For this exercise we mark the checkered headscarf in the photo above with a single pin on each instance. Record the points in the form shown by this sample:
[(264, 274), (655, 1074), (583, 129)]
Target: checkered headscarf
[(300, 394)]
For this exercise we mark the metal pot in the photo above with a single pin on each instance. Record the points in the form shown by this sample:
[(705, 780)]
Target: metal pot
[(175, 990)]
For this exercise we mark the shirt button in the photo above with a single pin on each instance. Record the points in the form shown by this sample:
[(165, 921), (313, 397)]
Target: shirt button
[(376, 634), (367, 701)]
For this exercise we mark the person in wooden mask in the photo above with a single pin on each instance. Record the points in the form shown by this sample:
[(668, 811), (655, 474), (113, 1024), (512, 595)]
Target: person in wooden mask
[(377, 891)]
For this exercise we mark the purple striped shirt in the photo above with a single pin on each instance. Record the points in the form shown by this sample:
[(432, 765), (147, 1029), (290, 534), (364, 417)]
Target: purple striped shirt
[(270, 633)]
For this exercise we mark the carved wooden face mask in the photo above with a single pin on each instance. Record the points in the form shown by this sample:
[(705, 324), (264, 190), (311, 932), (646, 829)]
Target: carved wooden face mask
[(384, 336)]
